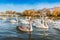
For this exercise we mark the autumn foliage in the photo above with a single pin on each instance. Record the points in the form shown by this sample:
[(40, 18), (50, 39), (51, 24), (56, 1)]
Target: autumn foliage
[(46, 11), (56, 11)]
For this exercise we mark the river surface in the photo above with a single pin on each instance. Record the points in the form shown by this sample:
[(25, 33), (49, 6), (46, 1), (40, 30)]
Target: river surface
[(8, 31)]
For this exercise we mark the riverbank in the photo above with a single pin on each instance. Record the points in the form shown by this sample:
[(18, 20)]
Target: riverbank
[(54, 18)]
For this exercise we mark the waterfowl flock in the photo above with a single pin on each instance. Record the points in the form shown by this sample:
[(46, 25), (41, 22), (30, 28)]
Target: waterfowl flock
[(41, 23), (38, 23)]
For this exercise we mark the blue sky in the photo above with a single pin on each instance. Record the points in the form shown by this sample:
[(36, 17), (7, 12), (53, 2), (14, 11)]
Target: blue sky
[(21, 5)]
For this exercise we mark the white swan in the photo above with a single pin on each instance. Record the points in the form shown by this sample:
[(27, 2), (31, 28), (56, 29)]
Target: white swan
[(4, 18), (13, 21), (41, 24), (49, 20), (36, 21), (26, 29), (24, 21)]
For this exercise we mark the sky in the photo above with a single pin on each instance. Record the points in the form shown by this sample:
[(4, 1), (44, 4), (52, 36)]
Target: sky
[(21, 5)]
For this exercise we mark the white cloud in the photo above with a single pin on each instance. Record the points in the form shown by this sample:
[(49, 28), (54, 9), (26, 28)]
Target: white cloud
[(22, 7)]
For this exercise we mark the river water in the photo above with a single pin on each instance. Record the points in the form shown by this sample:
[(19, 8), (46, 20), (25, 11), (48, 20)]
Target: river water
[(8, 31)]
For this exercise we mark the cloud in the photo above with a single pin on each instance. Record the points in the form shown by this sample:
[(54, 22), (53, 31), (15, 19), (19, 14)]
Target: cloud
[(22, 7)]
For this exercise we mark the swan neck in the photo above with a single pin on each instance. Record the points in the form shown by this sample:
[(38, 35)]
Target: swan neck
[(31, 25)]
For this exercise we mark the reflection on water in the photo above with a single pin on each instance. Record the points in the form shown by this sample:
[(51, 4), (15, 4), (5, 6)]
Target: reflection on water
[(8, 31)]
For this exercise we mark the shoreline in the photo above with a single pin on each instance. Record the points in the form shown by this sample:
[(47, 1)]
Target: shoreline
[(54, 18)]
